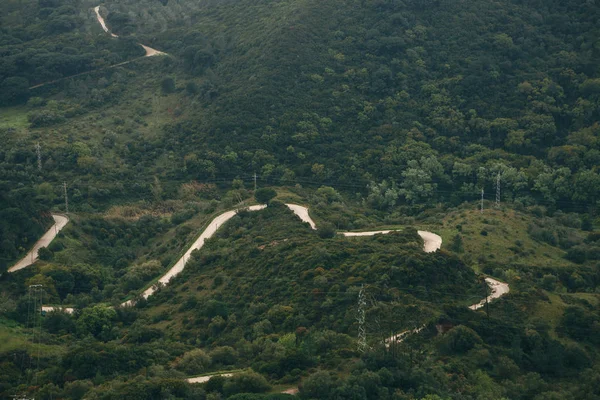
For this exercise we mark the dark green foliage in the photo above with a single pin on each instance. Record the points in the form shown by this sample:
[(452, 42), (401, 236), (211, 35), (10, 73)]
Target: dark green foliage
[(245, 382), (23, 220), (264, 195), (57, 322), (399, 106), (326, 231), (457, 244), (45, 254), (167, 85), (459, 340)]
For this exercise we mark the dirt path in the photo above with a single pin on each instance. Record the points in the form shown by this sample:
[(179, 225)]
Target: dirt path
[(150, 52), (206, 378), (59, 222), (103, 23), (210, 230), (432, 243), (499, 289)]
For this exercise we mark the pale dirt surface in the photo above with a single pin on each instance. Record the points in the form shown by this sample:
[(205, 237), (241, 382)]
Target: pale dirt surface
[(59, 222), (302, 212), (354, 234), (291, 391), (151, 52), (432, 242), (68, 310), (206, 378), (498, 289), (102, 22)]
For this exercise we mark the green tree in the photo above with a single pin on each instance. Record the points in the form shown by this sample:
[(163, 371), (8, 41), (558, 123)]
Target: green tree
[(264, 195), (95, 320), (246, 382), (193, 362)]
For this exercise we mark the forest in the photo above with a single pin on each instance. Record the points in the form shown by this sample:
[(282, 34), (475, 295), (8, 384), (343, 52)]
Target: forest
[(478, 121)]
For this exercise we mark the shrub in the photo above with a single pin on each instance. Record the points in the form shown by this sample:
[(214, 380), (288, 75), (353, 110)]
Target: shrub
[(193, 362), (264, 195), (459, 340), (326, 231), (247, 382), (45, 254)]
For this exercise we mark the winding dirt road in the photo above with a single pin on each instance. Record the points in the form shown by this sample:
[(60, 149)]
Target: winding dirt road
[(59, 222), (499, 289), (150, 52), (103, 23), (431, 243)]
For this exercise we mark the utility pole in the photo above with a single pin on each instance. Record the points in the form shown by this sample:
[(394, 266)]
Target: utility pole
[(255, 181), (66, 197), (498, 190), (362, 330), (481, 200), (38, 150), (37, 291), (487, 304)]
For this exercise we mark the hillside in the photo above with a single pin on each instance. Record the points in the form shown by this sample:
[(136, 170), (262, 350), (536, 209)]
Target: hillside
[(432, 102), (399, 116)]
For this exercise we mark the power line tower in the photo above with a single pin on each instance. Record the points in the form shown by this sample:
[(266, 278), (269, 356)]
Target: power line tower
[(362, 329), (255, 181), (498, 190), (35, 297), (481, 210), (66, 197), (38, 150)]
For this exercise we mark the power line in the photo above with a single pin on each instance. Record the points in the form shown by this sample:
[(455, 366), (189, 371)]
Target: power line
[(362, 330), (66, 197), (481, 200), (38, 150), (498, 191)]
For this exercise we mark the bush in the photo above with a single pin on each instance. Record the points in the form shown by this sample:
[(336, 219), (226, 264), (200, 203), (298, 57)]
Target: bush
[(224, 355), (167, 85), (45, 254), (193, 362), (459, 340), (326, 231), (264, 195), (247, 382)]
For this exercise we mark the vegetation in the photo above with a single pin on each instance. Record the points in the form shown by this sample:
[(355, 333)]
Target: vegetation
[(376, 115)]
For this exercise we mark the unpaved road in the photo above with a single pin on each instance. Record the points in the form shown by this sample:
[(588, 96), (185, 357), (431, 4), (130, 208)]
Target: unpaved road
[(198, 244), (206, 378), (103, 23), (499, 289), (59, 222), (150, 52), (432, 243)]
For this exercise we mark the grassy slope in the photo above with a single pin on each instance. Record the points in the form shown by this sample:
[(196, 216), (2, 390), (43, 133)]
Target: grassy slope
[(279, 261), (15, 337), (504, 229)]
